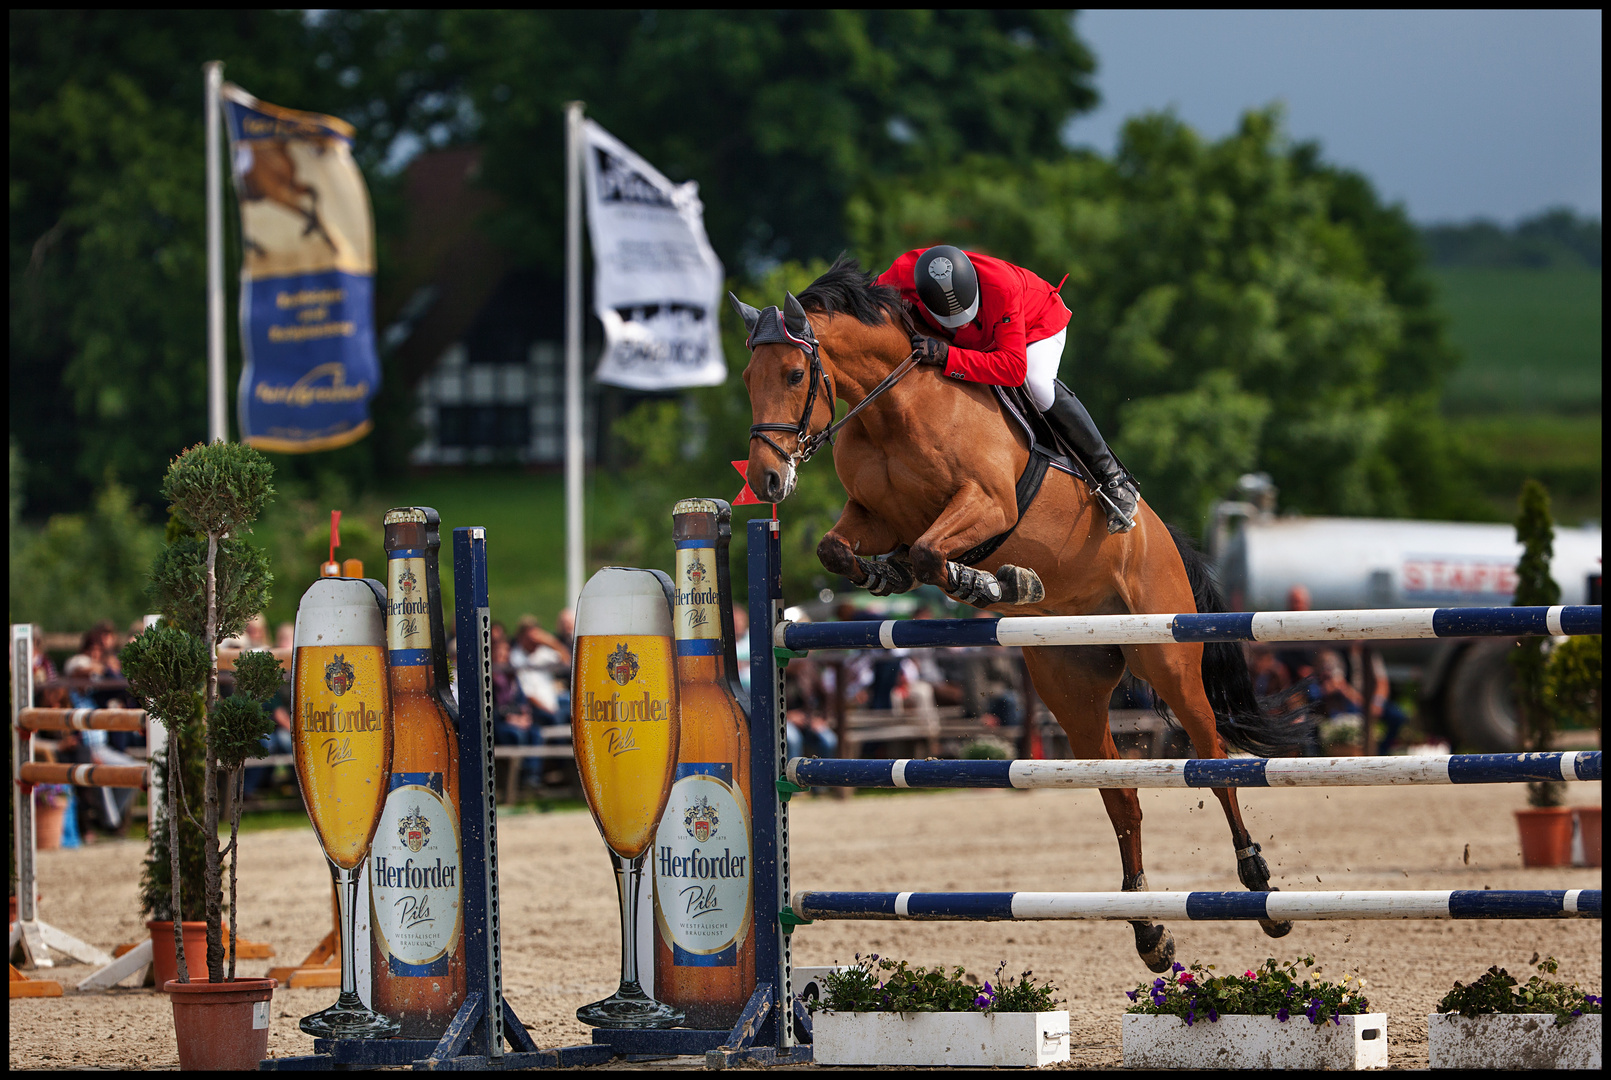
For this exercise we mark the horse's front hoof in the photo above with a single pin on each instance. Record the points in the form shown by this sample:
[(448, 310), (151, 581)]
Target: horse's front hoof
[(1276, 929), (1155, 945), (1020, 585)]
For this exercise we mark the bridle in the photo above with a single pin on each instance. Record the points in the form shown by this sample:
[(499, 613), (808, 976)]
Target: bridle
[(771, 328)]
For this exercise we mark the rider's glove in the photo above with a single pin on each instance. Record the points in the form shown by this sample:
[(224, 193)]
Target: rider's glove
[(930, 350)]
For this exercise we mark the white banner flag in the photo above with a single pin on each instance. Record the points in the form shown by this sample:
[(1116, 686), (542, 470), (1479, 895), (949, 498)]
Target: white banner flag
[(656, 283)]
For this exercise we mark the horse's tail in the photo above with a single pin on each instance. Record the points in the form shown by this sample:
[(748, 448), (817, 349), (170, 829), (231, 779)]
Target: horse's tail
[(1265, 727)]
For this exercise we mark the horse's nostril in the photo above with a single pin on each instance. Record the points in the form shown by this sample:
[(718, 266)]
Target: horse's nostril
[(774, 485)]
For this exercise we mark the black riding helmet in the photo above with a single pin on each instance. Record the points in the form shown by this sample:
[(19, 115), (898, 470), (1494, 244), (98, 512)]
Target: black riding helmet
[(948, 285)]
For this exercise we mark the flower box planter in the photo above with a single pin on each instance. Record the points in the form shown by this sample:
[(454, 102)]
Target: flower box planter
[(939, 1038), (1254, 1042), (1512, 1041), (1546, 835)]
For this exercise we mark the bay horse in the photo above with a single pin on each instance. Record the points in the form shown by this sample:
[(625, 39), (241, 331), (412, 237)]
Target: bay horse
[(267, 172), (930, 467)]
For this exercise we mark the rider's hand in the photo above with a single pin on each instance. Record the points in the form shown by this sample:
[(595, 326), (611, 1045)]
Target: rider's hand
[(930, 350)]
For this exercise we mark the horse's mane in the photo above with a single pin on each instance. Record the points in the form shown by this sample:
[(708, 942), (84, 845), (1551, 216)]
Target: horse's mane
[(847, 289)]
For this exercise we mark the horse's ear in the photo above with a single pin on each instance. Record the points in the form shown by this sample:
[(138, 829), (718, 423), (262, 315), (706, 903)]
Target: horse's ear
[(745, 312), (794, 317)]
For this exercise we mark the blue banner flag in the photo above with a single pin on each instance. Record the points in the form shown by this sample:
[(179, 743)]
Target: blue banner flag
[(307, 278)]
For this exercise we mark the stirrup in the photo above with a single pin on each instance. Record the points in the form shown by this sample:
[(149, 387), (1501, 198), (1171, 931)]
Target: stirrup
[(1119, 503)]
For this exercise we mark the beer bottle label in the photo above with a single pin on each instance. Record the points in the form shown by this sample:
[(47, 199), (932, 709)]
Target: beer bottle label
[(415, 887), (408, 611), (702, 867), (699, 613)]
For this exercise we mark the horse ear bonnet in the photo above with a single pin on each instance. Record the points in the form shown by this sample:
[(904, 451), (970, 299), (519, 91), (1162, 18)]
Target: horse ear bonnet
[(774, 327), (745, 312)]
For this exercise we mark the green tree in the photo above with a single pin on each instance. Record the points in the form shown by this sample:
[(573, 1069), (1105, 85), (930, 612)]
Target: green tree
[(1535, 587), (207, 584)]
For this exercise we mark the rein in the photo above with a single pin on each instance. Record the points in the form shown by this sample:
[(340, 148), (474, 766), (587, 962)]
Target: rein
[(806, 444)]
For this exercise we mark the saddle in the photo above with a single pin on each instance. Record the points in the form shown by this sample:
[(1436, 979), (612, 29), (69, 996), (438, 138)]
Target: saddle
[(1046, 451)]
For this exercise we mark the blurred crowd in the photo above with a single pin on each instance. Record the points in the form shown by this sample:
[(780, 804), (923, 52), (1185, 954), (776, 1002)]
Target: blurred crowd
[(1344, 685)]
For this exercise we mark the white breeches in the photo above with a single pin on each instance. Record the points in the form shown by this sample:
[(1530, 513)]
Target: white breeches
[(1044, 356)]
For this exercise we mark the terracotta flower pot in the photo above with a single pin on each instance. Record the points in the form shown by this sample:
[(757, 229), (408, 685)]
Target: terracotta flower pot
[(48, 824), (1588, 824), (1546, 835), (221, 1025), (164, 962)]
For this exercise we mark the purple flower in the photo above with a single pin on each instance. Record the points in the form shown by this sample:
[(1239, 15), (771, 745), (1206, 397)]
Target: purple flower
[(1213, 1015), (1178, 966), (1131, 994), (1282, 1015), (981, 1002), (1190, 1016), (1157, 984)]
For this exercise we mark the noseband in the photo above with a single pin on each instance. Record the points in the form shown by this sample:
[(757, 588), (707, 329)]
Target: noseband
[(772, 329)]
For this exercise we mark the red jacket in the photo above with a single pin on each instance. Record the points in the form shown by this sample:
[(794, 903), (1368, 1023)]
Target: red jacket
[(1015, 308)]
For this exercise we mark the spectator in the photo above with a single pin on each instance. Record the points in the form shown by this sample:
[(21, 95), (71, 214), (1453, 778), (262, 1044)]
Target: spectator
[(45, 695), (1298, 659), (285, 636), (565, 628), (809, 735), (513, 722), (105, 809), (89, 663), (540, 661)]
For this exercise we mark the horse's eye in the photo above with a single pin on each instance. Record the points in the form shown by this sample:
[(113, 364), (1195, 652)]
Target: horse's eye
[(796, 377)]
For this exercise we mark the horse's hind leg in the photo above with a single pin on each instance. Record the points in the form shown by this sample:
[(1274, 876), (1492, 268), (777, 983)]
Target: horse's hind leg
[(1076, 684), (1175, 672)]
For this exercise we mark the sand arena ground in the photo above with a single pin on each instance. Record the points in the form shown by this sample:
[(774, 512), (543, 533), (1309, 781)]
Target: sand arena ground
[(560, 921)]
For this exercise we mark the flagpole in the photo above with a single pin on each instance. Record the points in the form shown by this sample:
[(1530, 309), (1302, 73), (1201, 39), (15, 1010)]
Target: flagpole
[(217, 414), (574, 531)]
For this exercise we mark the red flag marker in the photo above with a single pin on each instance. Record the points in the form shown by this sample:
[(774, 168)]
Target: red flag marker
[(335, 533), (745, 495)]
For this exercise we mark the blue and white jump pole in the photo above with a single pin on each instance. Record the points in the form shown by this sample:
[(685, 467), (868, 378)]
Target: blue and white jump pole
[(1398, 624), (1202, 906), (1196, 772)]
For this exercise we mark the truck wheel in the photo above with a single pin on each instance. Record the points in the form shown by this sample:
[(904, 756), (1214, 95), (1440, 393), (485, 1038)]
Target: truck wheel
[(1481, 713)]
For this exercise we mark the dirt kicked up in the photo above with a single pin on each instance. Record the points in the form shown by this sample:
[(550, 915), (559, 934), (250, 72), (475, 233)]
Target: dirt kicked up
[(560, 920)]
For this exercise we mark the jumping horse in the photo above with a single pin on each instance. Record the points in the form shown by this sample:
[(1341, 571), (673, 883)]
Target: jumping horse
[(932, 467)]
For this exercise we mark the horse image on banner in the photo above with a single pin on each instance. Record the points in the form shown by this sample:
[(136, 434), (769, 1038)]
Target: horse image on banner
[(307, 278)]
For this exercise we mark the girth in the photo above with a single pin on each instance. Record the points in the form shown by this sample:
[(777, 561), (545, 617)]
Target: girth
[(1041, 455)]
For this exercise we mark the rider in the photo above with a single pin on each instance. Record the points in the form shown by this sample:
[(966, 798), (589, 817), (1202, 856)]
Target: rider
[(999, 324)]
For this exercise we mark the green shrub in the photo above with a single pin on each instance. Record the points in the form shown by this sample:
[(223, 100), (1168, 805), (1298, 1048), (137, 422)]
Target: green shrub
[(1273, 990), (907, 989), (1492, 993)]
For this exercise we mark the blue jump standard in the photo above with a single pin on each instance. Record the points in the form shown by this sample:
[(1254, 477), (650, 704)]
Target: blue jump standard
[(1376, 624), (1203, 906), (1197, 773)]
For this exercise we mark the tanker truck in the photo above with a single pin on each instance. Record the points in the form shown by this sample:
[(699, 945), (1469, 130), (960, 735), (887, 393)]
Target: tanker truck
[(1465, 684)]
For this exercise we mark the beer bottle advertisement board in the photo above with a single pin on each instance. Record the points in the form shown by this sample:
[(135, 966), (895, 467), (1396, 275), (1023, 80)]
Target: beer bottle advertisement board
[(415, 886), (704, 960)]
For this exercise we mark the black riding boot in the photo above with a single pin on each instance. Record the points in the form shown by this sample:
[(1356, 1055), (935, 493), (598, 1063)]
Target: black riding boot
[(1115, 488)]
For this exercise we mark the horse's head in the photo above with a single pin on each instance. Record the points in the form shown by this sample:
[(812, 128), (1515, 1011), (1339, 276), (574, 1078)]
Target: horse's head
[(790, 394)]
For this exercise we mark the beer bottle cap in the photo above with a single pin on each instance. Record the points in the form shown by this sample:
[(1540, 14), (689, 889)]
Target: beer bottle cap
[(622, 600)]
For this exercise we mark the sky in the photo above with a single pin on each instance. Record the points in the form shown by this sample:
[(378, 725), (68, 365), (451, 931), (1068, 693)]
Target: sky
[(1456, 114)]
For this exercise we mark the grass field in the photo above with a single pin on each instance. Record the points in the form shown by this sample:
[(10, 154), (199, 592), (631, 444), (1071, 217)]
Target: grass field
[(1526, 402), (1531, 340)]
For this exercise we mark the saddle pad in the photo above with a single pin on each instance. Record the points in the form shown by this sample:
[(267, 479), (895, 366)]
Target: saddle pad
[(1044, 452)]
